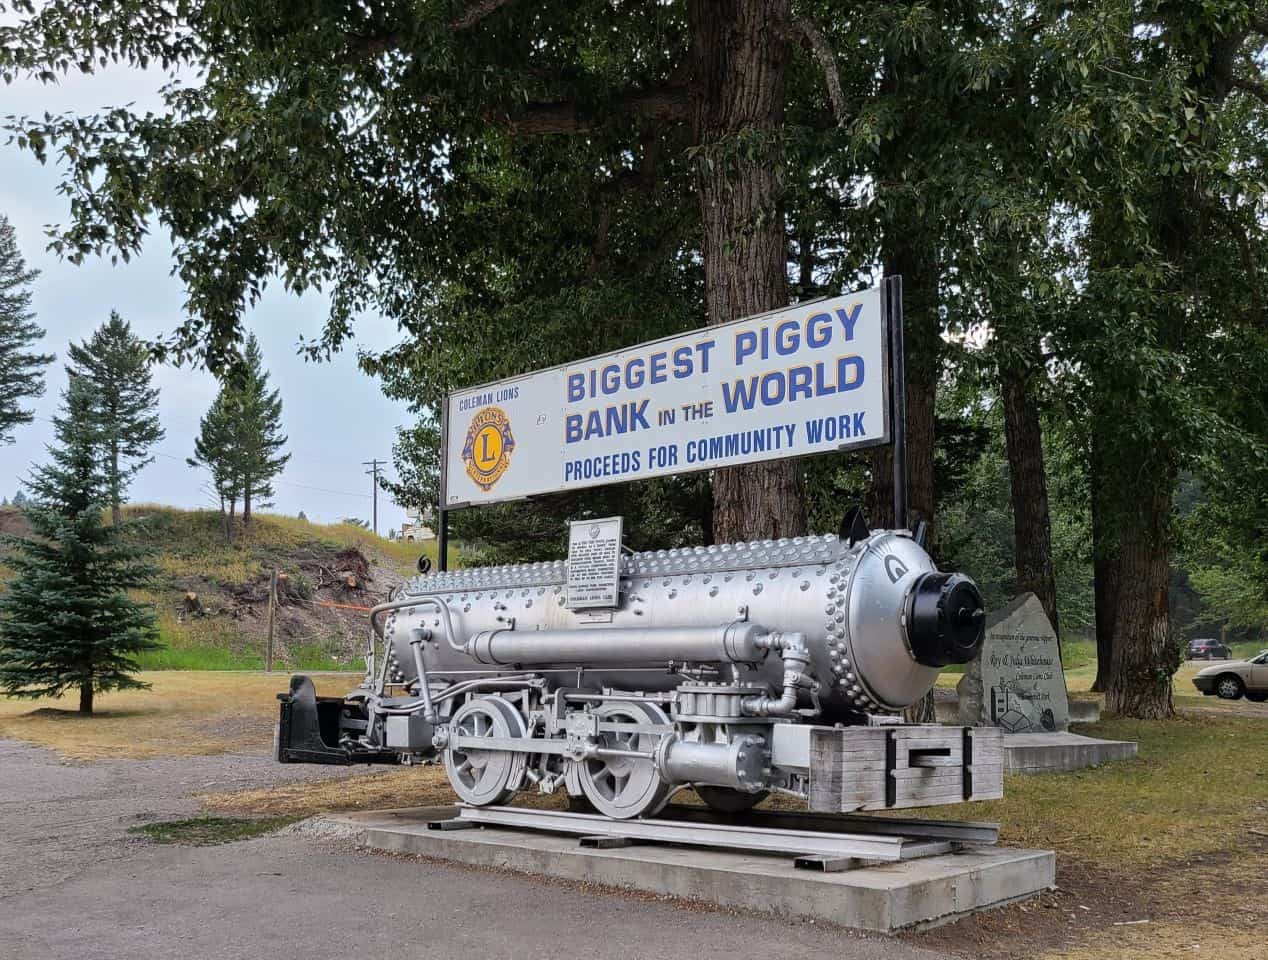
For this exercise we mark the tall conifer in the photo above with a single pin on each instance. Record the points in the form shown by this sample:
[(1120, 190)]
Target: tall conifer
[(259, 417), (125, 409), (67, 622), (21, 371)]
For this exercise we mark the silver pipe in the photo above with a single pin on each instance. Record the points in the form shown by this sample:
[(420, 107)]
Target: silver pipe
[(732, 642), (424, 691), (439, 606), (792, 648), (620, 697)]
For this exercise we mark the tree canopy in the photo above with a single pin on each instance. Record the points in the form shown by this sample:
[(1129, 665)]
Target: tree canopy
[(1073, 192)]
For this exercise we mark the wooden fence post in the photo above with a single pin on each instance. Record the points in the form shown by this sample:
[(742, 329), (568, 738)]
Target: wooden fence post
[(268, 652)]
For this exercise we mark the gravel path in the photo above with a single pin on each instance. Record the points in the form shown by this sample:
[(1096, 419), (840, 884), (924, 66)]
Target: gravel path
[(74, 884)]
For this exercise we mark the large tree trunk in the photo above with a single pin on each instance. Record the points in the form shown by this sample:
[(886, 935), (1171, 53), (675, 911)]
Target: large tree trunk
[(246, 504), (740, 55), (1144, 656), (1032, 532), (85, 697), (1105, 558)]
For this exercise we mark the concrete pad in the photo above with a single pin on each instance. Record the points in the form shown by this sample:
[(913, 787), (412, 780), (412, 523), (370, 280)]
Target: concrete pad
[(1059, 752), (884, 898)]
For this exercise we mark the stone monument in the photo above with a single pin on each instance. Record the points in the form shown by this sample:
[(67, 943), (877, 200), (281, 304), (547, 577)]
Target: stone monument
[(1017, 682)]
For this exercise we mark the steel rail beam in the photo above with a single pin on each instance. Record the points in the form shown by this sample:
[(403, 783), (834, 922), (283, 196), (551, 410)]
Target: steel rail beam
[(796, 843)]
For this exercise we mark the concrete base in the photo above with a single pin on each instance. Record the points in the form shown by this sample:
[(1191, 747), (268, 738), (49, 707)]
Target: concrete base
[(1058, 752), (883, 898)]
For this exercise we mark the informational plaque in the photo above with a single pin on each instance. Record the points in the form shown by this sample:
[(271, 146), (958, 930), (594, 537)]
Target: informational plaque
[(594, 563)]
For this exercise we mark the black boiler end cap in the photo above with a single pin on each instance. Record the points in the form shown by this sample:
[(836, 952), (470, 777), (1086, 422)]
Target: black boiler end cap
[(946, 621)]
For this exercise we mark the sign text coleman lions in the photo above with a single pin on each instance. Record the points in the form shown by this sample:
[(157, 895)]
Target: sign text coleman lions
[(807, 379)]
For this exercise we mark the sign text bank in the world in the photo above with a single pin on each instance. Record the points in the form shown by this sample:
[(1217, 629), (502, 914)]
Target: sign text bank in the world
[(808, 379)]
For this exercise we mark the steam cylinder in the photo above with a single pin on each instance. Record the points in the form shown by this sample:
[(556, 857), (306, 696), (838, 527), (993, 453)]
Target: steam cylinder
[(877, 617)]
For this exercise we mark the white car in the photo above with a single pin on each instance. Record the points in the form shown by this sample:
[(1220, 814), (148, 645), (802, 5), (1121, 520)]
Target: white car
[(1235, 679)]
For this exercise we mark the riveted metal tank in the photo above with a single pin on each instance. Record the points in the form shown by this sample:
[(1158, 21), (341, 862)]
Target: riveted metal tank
[(878, 619)]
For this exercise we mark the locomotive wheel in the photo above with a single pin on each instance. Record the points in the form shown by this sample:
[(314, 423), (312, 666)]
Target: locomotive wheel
[(484, 777), (726, 800), (625, 787)]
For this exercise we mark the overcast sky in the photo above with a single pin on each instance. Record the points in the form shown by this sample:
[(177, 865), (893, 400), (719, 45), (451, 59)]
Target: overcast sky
[(334, 415)]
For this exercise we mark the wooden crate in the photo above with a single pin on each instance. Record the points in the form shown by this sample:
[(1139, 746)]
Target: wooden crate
[(903, 765)]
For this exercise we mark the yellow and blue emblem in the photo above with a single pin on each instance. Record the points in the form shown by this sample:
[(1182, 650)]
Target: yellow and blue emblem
[(487, 450)]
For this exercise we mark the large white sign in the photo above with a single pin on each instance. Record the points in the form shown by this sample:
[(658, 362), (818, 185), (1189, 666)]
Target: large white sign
[(808, 379)]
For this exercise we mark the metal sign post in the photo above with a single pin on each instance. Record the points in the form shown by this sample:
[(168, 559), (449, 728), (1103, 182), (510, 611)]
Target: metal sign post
[(893, 296)]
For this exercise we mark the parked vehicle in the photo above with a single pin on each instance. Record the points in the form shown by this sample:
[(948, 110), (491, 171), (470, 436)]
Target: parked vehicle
[(1235, 679), (1208, 650)]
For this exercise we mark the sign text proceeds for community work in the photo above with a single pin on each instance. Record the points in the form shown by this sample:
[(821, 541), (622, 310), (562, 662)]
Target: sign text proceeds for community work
[(594, 563), (808, 379)]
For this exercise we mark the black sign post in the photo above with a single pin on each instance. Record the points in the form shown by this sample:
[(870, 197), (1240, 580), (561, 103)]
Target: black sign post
[(892, 291)]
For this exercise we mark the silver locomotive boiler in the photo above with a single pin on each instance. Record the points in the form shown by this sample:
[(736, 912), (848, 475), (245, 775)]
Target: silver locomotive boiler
[(736, 669)]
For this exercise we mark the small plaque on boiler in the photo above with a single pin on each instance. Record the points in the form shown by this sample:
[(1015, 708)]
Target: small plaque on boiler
[(594, 563)]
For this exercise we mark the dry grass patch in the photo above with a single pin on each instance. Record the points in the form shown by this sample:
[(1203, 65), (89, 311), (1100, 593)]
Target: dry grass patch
[(185, 713), (1169, 941)]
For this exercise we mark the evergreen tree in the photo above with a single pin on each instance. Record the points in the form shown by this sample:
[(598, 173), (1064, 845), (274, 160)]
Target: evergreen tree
[(21, 371), (19, 499), (125, 410), (216, 448), (66, 621), (258, 415), (239, 439)]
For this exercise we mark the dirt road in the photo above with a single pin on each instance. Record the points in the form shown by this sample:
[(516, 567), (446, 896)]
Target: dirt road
[(74, 884)]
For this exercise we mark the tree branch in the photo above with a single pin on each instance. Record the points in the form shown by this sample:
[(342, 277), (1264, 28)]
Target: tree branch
[(367, 47), (563, 116), (818, 44), (475, 13), (364, 47), (1255, 89)]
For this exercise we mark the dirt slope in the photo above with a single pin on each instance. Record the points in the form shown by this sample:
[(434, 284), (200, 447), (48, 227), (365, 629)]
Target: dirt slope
[(211, 596)]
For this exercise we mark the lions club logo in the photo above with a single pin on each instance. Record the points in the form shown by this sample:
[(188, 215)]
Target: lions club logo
[(487, 450)]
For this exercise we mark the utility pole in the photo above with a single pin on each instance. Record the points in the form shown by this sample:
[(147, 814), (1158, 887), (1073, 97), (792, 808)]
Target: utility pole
[(374, 486)]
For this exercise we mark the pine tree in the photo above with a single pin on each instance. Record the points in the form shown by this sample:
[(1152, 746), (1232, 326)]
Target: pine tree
[(21, 372), (259, 417), (115, 361), (67, 621), (216, 448)]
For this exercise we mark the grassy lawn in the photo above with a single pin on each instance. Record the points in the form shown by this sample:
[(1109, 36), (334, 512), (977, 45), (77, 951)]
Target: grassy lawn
[(184, 713)]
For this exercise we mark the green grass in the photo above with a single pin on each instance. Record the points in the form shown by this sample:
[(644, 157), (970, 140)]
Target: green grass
[(1196, 785), (207, 831)]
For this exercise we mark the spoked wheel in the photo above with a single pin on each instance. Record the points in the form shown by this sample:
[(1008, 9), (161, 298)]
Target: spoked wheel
[(625, 787), (726, 800), (484, 777)]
